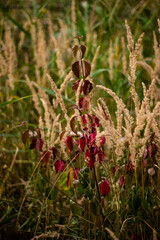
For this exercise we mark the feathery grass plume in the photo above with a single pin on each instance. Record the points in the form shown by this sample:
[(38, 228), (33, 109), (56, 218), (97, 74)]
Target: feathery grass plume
[(36, 57), (41, 55), (158, 24), (93, 64), (120, 140), (144, 89), (120, 105), (66, 80), (22, 35), (59, 60), (41, 128), (33, 33), (45, 97), (124, 58), (47, 119), (110, 60), (64, 36), (140, 53), (141, 116), (58, 140), (133, 63), (138, 45), (113, 236), (111, 134), (105, 111), (77, 103), (92, 20), (35, 97), (63, 145), (53, 133), (157, 54), (156, 73), (50, 30), (58, 95), (42, 60), (8, 48), (73, 16), (3, 66)]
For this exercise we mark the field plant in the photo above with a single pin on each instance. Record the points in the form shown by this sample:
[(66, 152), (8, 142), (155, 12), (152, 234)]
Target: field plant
[(83, 161)]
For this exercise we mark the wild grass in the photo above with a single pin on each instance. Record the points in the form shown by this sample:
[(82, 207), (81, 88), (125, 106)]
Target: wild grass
[(80, 148)]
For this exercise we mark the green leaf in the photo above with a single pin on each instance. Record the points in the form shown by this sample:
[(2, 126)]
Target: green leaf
[(99, 71), (25, 9), (47, 2), (7, 212), (23, 224), (53, 94), (14, 100)]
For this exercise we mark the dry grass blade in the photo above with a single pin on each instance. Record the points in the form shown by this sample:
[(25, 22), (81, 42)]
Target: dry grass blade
[(113, 236)]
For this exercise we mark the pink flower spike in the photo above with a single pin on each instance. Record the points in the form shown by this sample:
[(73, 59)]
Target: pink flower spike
[(59, 165), (105, 188), (69, 143)]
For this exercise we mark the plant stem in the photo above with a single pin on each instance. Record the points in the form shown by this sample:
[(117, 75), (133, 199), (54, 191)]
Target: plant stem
[(100, 200), (81, 60), (95, 176)]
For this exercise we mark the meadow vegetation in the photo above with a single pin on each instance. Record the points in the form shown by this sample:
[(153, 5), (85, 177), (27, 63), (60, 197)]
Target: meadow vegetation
[(80, 120)]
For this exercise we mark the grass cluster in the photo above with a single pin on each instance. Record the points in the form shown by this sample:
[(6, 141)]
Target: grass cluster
[(80, 114)]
